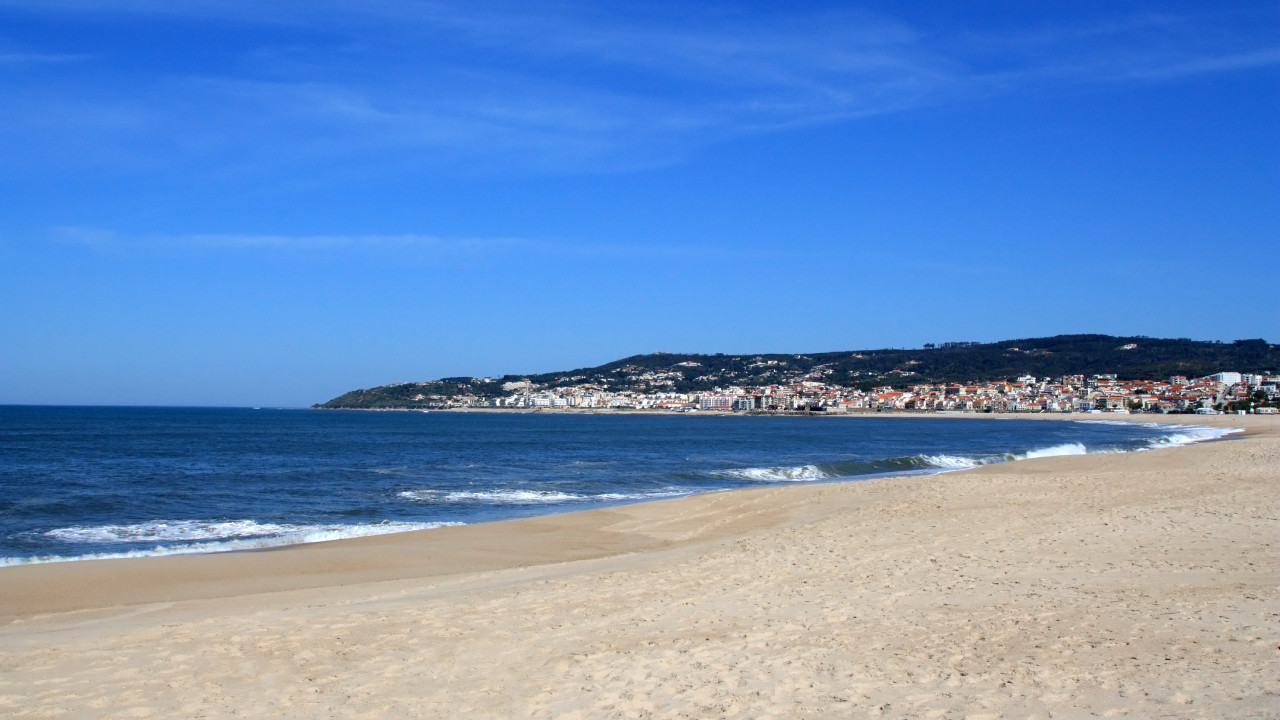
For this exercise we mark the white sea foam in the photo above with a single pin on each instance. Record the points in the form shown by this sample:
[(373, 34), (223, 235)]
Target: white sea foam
[(961, 462), (1190, 434), (651, 495), (804, 473), (512, 497), (1055, 451), (170, 531), (950, 462), (239, 535), (531, 497), (1178, 435)]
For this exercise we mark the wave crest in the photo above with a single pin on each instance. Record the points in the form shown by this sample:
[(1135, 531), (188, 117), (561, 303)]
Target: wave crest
[(950, 462), (169, 531), (532, 497), (1056, 450), (804, 473), (1191, 434), (240, 535)]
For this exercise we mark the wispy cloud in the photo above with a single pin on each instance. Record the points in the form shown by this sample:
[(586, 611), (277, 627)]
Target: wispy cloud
[(565, 87), (112, 241), (419, 248), (1207, 64), (1137, 48), (16, 58)]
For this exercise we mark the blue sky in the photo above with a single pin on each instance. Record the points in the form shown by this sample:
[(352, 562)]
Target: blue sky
[(269, 203)]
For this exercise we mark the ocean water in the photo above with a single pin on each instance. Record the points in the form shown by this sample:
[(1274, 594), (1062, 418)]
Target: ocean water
[(115, 482)]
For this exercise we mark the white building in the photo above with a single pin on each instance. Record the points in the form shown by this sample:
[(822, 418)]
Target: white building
[(715, 402)]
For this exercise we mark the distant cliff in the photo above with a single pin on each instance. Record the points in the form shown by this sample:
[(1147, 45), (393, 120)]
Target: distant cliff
[(1126, 357)]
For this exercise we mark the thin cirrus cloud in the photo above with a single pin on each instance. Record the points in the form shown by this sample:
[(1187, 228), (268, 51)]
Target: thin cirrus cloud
[(563, 89), (109, 241), (421, 248), (1209, 64), (16, 58), (649, 91)]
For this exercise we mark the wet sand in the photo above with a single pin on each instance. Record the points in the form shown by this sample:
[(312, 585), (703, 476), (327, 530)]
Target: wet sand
[(1144, 584)]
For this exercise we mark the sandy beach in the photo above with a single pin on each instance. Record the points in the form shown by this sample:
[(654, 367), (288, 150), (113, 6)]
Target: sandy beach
[(1144, 585)]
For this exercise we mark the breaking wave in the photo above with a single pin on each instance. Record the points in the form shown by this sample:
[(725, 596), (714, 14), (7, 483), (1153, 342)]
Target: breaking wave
[(1055, 451), (1178, 435), (170, 531), (951, 462), (1192, 434), (909, 465), (804, 473), (533, 497), (195, 536), (932, 464)]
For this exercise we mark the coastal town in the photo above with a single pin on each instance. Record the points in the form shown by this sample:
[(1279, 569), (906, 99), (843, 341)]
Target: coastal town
[(1059, 374), (1221, 392)]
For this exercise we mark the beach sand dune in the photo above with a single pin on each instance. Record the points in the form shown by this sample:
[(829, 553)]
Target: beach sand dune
[(1139, 585)]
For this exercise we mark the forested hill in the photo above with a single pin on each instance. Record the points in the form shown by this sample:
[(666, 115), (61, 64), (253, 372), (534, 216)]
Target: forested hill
[(1134, 358)]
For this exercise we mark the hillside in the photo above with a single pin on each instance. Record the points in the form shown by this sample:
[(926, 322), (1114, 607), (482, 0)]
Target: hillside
[(1127, 357)]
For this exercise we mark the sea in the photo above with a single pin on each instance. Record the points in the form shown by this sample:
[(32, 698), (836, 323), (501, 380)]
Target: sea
[(110, 482)]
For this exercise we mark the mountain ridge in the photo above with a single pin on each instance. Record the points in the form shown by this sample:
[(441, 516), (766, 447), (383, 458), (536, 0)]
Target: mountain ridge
[(1128, 357)]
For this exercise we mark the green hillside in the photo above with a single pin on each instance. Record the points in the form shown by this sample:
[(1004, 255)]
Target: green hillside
[(1133, 358)]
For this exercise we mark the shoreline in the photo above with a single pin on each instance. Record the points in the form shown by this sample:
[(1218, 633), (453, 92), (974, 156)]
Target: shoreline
[(212, 549), (1016, 589)]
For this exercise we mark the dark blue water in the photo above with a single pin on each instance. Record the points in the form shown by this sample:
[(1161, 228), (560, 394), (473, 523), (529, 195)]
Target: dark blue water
[(76, 482)]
